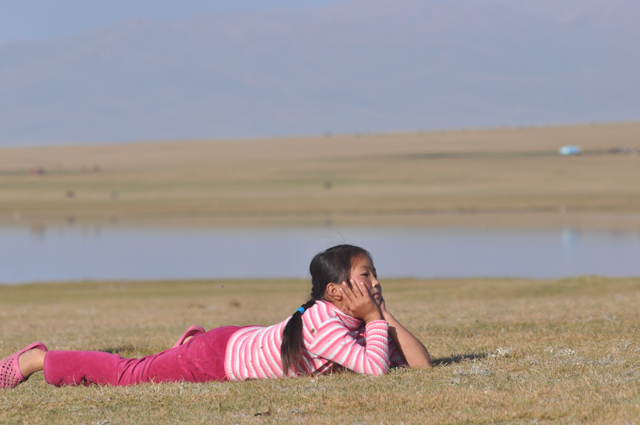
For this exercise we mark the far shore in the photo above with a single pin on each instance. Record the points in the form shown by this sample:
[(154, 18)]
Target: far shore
[(491, 177), (498, 220)]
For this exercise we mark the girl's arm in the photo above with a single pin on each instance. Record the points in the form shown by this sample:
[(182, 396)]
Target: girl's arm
[(333, 341), (414, 352)]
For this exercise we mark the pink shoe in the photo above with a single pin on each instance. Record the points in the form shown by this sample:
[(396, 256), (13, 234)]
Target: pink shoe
[(192, 331), (10, 375)]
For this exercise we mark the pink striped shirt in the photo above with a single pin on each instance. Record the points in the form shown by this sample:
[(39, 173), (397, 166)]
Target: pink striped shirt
[(331, 338)]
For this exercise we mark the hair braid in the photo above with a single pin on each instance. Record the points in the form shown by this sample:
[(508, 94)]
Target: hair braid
[(330, 266)]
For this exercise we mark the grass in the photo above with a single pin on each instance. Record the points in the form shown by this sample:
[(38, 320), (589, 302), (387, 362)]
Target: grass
[(383, 178), (506, 351)]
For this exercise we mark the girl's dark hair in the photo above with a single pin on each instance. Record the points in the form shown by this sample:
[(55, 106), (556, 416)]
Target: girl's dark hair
[(330, 266)]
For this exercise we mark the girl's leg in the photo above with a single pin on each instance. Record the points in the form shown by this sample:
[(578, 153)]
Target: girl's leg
[(199, 359), (31, 362), (11, 372), (188, 334), (82, 368), (95, 367)]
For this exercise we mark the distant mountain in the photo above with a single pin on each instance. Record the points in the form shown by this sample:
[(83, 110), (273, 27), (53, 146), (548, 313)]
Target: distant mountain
[(361, 66)]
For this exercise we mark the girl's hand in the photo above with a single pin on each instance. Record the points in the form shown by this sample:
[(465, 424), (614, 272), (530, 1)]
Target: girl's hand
[(381, 304), (359, 302)]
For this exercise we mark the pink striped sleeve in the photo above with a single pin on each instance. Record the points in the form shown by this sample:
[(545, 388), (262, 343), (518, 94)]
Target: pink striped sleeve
[(333, 342), (396, 358)]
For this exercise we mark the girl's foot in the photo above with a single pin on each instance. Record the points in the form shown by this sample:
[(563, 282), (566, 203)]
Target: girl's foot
[(26, 360), (188, 334)]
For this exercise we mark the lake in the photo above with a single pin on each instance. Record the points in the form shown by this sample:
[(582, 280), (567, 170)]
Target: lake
[(116, 252)]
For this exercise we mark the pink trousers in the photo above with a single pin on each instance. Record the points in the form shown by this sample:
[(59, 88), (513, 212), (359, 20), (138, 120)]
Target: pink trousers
[(200, 359)]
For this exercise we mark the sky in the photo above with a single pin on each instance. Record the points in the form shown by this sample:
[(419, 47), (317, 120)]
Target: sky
[(92, 72), (48, 19)]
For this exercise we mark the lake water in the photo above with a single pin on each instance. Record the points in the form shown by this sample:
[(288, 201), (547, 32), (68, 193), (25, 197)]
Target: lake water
[(77, 252)]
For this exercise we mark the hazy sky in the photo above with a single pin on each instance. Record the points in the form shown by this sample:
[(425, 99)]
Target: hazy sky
[(46, 19), (95, 72)]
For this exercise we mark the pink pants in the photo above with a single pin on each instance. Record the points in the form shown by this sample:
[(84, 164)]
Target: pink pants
[(200, 359)]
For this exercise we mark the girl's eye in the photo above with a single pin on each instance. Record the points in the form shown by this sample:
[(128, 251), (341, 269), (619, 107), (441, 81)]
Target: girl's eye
[(365, 274)]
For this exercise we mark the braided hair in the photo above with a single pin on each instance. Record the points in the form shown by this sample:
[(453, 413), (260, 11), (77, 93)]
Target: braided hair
[(330, 266)]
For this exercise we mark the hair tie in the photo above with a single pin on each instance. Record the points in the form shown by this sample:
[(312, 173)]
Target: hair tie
[(301, 310)]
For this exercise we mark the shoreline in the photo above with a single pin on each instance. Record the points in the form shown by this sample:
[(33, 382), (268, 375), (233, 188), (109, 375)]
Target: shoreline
[(423, 178), (497, 220)]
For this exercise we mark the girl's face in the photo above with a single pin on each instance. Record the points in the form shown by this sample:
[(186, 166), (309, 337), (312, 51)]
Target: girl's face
[(363, 271)]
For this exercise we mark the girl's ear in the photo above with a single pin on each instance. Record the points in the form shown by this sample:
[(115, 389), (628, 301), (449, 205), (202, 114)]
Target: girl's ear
[(332, 292)]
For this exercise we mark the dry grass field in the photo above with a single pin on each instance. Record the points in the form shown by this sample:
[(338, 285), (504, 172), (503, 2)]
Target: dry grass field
[(384, 178), (506, 351)]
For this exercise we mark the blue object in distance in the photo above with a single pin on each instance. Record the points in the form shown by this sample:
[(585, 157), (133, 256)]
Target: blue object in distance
[(570, 150)]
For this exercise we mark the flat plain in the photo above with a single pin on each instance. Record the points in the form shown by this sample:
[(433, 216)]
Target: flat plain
[(506, 351), (387, 179)]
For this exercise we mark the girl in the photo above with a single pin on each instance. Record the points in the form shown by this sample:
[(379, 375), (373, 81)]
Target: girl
[(345, 325)]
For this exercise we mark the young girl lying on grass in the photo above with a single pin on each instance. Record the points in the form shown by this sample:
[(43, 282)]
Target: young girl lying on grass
[(345, 325)]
